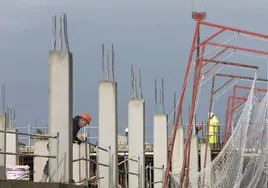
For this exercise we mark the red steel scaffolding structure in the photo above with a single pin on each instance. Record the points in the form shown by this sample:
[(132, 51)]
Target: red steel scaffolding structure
[(234, 106), (197, 75)]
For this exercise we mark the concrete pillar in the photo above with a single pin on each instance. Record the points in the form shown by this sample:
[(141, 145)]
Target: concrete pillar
[(40, 148), (194, 162), (2, 147), (160, 147), (60, 115), (108, 131), (208, 160), (177, 156), (136, 144), (11, 147)]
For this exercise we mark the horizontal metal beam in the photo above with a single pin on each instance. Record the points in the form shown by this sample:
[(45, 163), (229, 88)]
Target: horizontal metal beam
[(28, 155), (241, 77), (232, 64), (26, 134)]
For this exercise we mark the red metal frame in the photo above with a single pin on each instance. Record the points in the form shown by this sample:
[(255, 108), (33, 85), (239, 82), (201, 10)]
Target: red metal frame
[(229, 126), (197, 74)]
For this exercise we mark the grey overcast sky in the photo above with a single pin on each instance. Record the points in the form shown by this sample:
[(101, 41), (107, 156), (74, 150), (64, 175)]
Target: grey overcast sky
[(154, 33)]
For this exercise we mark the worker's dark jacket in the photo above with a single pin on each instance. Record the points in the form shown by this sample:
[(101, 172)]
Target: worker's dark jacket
[(76, 129)]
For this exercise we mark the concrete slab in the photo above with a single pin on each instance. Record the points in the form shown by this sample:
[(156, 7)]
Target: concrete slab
[(60, 115), (136, 129), (12, 147), (21, 184), (2, 147), (177, 157), (160, 147), (108, 131)]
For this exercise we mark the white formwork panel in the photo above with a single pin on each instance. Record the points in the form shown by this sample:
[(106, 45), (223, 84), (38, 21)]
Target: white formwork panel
[(2, 147), (79, 166), (108, 131), (194, 162), (160, 147), (136, 135), (61, 115), (208, 160), (177, 155), (11, 147), (40, 148)]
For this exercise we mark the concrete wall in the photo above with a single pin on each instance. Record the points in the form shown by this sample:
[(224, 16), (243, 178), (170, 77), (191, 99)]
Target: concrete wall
[(12, 147), (160, 147), (2, 147), (177, 157), (136, 129), (61, 114), (108, 131)]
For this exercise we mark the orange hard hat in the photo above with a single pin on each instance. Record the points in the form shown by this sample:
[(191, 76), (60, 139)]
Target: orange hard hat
[(199, 127), (86, 116)]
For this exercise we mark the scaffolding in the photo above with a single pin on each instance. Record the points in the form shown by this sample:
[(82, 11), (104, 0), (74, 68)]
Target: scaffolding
[(199, 64)]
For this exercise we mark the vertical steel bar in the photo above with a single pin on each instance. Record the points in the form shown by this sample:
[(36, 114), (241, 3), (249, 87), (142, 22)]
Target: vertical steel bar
[(231, 116), (109, 168), (125, 170), (139, 173), (86, 158), (97, 166), (150, 175), (226, 120), (58, 154), (180, 105)]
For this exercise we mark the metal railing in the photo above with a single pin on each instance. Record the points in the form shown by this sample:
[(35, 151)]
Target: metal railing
[(32, 155), (88, 160), (150, 174)]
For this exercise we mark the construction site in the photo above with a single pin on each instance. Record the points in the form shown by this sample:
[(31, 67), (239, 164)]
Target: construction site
[(197, 154)]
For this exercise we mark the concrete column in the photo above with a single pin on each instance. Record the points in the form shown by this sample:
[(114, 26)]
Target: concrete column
[(194, 162), (136, 144), (160, 147), (60, 115), (40, 148), (177, 156), (2, 147), (108, 131), (11, 147), (208, 160)]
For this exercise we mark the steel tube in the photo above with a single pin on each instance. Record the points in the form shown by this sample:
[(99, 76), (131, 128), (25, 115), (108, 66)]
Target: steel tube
[(26, 134)]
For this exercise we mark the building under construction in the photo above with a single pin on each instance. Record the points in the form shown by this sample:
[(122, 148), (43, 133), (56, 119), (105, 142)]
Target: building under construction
[(188, 158)]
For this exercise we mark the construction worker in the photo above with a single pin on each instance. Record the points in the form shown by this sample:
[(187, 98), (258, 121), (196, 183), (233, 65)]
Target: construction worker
[(78, 122), (213, 128)]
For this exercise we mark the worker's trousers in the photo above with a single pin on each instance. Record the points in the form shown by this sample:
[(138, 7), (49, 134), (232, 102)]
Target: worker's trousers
[(46, 168)]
